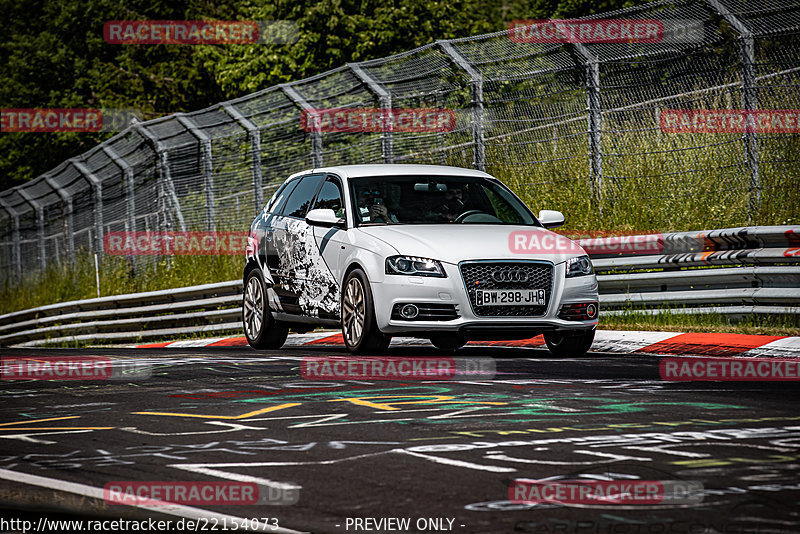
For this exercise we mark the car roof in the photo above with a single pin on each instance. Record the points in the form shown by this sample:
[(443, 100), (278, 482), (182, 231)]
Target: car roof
[(386, 169)]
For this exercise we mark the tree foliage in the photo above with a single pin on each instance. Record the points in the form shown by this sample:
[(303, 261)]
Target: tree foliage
[(54, 56)]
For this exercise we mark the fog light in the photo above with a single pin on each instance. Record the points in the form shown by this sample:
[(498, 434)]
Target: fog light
[(579, 312), (409, 311)]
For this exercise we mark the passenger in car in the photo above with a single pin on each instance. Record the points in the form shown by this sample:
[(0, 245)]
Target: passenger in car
[(372, 207)]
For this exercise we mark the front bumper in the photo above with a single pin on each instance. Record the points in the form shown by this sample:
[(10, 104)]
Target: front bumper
[(398, 289)]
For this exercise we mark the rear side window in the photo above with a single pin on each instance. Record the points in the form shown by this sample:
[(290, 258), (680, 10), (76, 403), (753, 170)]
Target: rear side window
[(299, 201), (330, 197), (280, 195)]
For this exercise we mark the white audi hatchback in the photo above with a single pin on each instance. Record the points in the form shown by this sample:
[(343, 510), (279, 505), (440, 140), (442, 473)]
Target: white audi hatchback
[(441, 253)]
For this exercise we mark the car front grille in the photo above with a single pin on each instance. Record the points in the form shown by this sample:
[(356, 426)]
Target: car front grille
[(480, 275)]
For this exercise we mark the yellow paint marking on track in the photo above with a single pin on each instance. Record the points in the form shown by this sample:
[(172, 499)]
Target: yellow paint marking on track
[(29, 421), (243, 416)]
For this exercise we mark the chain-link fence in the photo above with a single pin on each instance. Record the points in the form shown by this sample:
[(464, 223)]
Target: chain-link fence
[(570, 125)]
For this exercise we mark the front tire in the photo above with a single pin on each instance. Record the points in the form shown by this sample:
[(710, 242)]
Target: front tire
[(359, 328), (564, 344), (260, 329)]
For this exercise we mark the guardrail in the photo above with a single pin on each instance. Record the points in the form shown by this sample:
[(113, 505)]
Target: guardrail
[(209, 308), (735, 271)]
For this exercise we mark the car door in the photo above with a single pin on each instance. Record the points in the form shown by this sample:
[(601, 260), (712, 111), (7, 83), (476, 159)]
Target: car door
[(323, 277), (291, 241)]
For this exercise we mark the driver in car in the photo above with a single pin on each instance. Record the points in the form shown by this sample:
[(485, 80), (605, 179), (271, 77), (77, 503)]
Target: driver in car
[(453, 204)]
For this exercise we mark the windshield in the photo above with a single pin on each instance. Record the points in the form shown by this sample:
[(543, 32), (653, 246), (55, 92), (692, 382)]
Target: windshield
[(435, 200)]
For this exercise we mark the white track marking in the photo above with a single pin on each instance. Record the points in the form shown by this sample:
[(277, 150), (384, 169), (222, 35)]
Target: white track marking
[(788, 346), (97, 493), (459, 463), (624, 341), (239, 477), (27, 437)]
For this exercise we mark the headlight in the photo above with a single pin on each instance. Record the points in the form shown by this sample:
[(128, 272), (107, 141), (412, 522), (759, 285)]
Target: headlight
[(580, 266), (413, 265)]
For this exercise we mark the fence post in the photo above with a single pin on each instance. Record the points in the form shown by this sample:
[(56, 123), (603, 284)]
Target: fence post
[(207, 164), (476, 101), (69, 231), (165, 178), (16, 258), (38, 211), (254, 135), (130, 195), (749, 102), (385, 100), (97, 188), (316, 133), (594, 118)]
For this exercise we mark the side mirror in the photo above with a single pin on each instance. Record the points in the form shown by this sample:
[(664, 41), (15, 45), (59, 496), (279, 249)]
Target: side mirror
[(551, 218), (323, 217)]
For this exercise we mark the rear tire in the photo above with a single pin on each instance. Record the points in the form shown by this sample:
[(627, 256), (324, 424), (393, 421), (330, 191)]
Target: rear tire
[(564, 344), (359, 327), (260, 329)]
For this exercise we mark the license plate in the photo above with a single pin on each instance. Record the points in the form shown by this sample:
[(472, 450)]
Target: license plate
[(509, 297)]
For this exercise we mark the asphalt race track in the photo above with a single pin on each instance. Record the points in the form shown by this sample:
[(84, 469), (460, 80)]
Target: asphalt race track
[(439, 454)]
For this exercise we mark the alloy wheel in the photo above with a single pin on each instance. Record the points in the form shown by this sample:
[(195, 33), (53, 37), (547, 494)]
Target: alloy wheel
[(354, 311)]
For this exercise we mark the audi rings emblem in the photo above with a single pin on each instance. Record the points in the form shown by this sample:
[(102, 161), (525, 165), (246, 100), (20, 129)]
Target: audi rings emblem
[(510, 275)]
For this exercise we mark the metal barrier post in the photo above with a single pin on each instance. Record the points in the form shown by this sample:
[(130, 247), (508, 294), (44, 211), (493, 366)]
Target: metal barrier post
[(38, 210), (385, 100), (476, 99), (97, 188), (749, 102), (316, 134), (162, 161), (594, 117), (69, 231), (130, 196), (16, 259), (254, 135), (207, 164)]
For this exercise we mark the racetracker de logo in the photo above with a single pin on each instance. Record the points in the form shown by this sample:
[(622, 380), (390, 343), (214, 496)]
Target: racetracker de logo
[(393, 368), (378, 120), (53, 120), (174, 243), (730, 369), (541, 242), (764, 121), (181, 32), (605, 492), (594, 243), (161, 493), (586, 31), (72, 368)]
